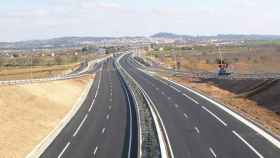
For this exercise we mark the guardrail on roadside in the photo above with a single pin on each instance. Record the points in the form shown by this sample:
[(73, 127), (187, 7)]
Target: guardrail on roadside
[(153, 137), (55, 78)]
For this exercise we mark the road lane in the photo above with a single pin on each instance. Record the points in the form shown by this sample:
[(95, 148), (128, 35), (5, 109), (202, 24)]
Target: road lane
[(104, 125), (214, 125)]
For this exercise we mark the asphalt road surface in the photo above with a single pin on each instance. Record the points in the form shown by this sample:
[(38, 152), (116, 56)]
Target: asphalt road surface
[(104, 127), (196, 127)]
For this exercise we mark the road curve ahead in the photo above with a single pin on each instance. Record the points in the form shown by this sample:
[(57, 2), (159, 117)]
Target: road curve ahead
[(104, 127), (195, 126)]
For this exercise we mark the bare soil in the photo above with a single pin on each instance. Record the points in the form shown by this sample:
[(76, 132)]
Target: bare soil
[(20, 73), (29, 112)]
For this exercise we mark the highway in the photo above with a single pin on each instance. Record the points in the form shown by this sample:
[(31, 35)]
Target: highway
[(105, 125), (197, 127)]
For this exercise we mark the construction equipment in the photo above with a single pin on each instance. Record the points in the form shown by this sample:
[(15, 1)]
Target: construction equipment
[(223, 66)]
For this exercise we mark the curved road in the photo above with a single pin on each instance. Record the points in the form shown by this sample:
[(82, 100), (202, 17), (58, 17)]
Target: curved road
[(105, 126), (196, 127)]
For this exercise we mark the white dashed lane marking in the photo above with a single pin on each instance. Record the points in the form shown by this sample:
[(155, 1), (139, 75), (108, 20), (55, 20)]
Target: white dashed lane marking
[(103, 130), (64, 149), (197, 130), (186, 116), (107, 116), (190, 98), (215, 116), (212, 152), (95, 151)]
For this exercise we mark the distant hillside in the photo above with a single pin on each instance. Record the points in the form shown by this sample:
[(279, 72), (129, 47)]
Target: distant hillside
[(165, 35), (66, 42), (220, 36)]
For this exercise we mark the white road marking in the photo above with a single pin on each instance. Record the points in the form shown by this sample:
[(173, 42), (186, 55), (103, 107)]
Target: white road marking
[(191, 98), (186, 116), (91, 105), (97, 90), (63, 150), (176, 105), (216, 117), (175, 89), (110, 99), (130, 124), (108, 116), (196, 129), (249, 145), (260, 131), (81, 124), (212, 152), (157, 88), (168, 98), (162, 93), (95, 150), (103, 130), (110, 107)]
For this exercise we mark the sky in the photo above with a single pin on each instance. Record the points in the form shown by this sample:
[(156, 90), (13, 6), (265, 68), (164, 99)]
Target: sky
[(43, 19)]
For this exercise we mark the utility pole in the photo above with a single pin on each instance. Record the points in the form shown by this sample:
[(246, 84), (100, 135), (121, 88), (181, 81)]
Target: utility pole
[(30, 68), (221, 55)]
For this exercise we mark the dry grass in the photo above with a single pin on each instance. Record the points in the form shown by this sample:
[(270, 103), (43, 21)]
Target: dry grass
[(29, 112), (35, 72)]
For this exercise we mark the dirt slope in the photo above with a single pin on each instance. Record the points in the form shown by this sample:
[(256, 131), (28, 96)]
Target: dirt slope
[(29, 112)]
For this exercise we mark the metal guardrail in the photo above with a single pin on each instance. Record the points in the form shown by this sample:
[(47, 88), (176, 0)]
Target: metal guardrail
[(54, 78), (208, 75), (212, 75), (149, 146), (155, 142)]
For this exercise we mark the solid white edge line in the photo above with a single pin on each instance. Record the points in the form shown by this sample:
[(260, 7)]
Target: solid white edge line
[(81, 124), (249, 145), (38, 150), (96, 93), (130, 124), (63, 150), (190, 98), (214, 115), (267, 136), (139, 124), (212, 152)]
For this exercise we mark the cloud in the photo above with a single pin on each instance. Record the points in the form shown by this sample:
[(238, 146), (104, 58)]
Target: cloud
[(100, 18)]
